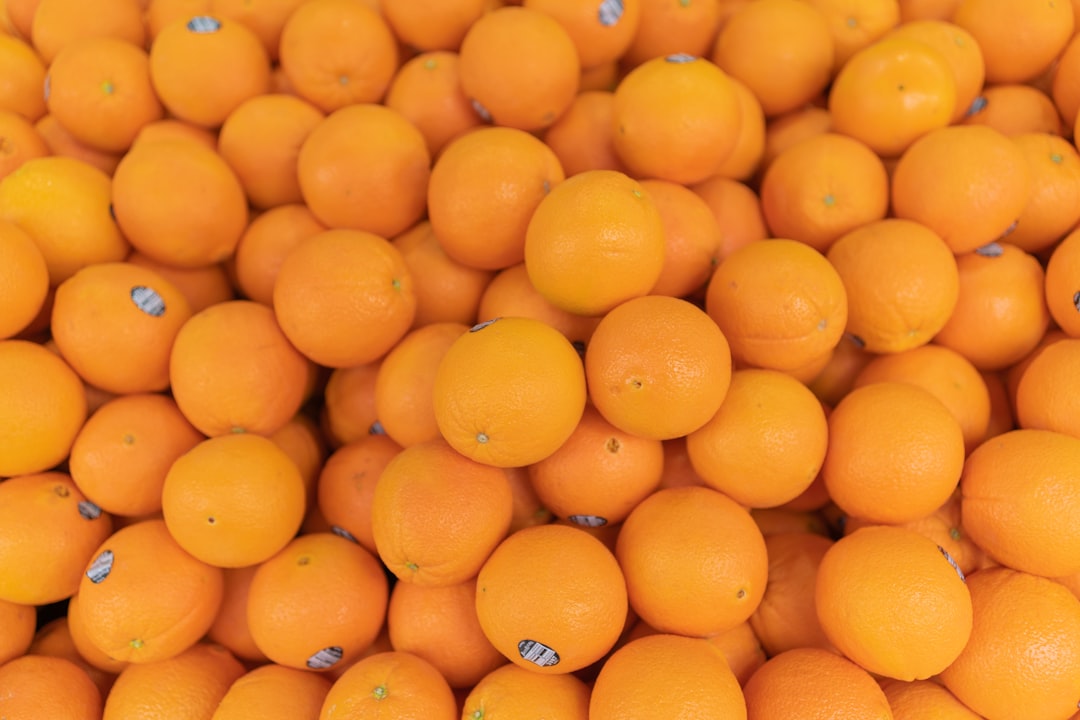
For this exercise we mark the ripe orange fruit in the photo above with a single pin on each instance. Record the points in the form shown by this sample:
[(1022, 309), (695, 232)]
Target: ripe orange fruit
[(25, 275), (765, 444), (666, 675), (694, 561), (1022, 659), (514, 691), (676, 118), (779, 303), (960, 51), (691, 238), (230, 628), (781, 49), (349, 404), (812, 684), (143, 598), (583, 136), (1012, 478), (511, 48), (484, 188), (265, 243), (20, 623), (23, 141), (336, 281), (202, 286), (981, 183), (737, 210), (785, 130), (593, 242), (232, 369), (346, 485), (427, 25), (21, 91), (657, 367), (1040, 402), (601, 32), (743, 160), (427, 90), (1062, 284), (997, 25), (892, 92), (527, 582), (924, 698), (365, 167), (43, 407), (54, 639), (319, 602), (1063, 87), (669, 27), (511, 294), (274, 692), (509, 392), (397, 684), (1001, 313), (599, 474), (115, 324), (63, 144), (1013, 109), (901, 280), (58, 23), (41, 686), (1053, 205)]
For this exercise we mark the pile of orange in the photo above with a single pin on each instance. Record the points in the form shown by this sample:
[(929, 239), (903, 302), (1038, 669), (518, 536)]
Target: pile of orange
[(576, 359)]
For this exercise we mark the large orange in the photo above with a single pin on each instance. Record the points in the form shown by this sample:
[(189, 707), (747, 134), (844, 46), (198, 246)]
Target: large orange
[(40, 686), (390, 683), (427, 91), (1020, 41), (601, 32), (516, 691)]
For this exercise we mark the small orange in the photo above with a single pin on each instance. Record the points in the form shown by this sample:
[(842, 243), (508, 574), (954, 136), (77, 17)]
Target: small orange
[(40, 686), (1053, 205), (202, 286), (427, 90), (513, 691), (510, 48), (582, 138), (997, 25), (274, 692), (303, 442), (1064, 88), (265, 243), (695, 562), (785, 130), (744, 159), (24, 78), (22, 142), (673, 26), (676, 118), (348, 412), (1062, 284), (91, 654), (528, 510), (266, 18), (525, 587), (25, 277), (390, 684), (59, 23), (230, 628), (692, 238), (63, 144), (959, 49), (430, 25), (892, 601), (593, 242), (601, 32), (912, 10), (19, 622), (1013, 109), (511, 294), (1040, 402), (856, 24), (737, 210), (53, 639), (924, 698), (174, 129), (436, 515)]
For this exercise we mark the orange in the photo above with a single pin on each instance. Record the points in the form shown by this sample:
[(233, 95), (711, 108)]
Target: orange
[(390, 684), (436, 515), (439, 624), (233, 500), (483, 190), (59, 23), (528, 510), (737, 210), (512, 691), (599, 474), (1022, 660), (1012, 478), (40, 686), (303, 442), (582, 138), (25, 275), (446, 290), (1013, 109), (64, 205), (593, 242), (266, 18), (924, 698), (785, 130), (202, 286), (779, 303), (142, 598), (695, 562), (348, 412), (511, 294), (43, 408), (781, 49), (787, 616), (427, 90), (531, 578), (201, 676), (601, 32), (97, 659), (233, 370), (1001, 412), (765, 444), (365, 167), (317, 603), (428, 25), (99, 90), (657, 367), (672, 26), (265, 243), (509, 392), (892, 92), (1053, 205), (20, 623), (336, 53), (980, 185), (22, 141), (743, 160), (20, 91), (691, 238), (261, 140), (403, 386), (336, 281), (230, 628), (813, 684), (115, 324), (187, 58), (1062, 284), (913, 10), (947, 375), (669, 676), (1064, 88), (1001, 313), (676, 118), (121, 455), (174, 129), (960, 51), (895, 452), (823, 187), (63, 144), (892, 601), (901, 280), (999, 25), (511, 48), (1040, 402), (274, 692), (856, 24), (186, 188), (1015, 373), (602, 77), (50, 531), (53, 639)]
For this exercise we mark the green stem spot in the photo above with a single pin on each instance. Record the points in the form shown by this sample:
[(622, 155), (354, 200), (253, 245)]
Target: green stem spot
[(1057, 158), (482, 438), (829, 200), (379, 693), (107, 87), (136, 643)]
